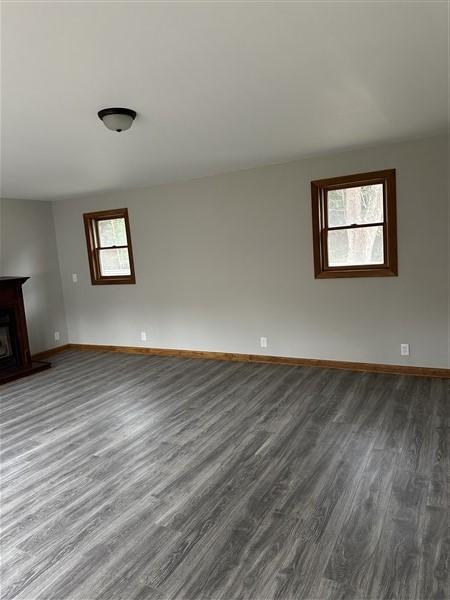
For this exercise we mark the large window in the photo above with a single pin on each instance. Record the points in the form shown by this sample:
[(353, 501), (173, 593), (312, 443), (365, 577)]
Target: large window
[(109, 247), (354, 225)]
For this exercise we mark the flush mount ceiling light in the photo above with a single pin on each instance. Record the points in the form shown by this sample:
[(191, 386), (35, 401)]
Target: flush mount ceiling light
[(117, 119)]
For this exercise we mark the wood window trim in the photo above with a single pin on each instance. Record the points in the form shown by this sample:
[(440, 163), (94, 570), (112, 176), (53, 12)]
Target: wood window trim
[(319, 189), (91, 229)]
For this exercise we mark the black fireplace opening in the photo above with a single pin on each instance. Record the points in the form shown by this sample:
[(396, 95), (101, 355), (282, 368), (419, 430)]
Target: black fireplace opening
[(9, 349)]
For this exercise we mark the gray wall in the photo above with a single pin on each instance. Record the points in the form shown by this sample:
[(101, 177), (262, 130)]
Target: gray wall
[(224, 260), (28, 247)]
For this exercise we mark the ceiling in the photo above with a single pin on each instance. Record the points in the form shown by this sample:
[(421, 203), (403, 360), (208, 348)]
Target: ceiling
[(217, 87)]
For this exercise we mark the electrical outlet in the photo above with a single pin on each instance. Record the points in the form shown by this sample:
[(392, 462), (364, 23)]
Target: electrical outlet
[(404, 349), (56, 336), (143, 336), (75, 277), (263, 342)]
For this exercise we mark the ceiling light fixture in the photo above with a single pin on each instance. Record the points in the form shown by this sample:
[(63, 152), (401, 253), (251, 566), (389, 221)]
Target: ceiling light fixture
[(117, 119)]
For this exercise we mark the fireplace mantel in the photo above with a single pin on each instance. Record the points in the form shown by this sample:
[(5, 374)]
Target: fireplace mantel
[(15, 358)]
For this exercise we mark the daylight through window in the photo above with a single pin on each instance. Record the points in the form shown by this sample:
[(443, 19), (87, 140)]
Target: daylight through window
[(354, 225), (109, 247)]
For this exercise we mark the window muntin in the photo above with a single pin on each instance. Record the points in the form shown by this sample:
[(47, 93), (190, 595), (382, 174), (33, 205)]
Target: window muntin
[(109, 247), (354, 225)]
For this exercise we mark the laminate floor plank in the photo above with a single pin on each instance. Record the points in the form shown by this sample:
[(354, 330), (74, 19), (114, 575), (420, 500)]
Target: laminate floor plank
[(435, 555), (396, 560), (351, 562), (128, 477)]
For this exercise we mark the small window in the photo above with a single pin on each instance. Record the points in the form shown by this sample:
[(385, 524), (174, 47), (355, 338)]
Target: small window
[(354, 225), (109, 247)]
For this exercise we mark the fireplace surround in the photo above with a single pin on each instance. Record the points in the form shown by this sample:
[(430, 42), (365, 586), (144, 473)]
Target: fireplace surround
[(15, 357)]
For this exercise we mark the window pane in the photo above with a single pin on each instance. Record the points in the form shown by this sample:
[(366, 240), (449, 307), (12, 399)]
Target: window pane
[(112, 232), (114, 261), (355, 205), (362, 246)]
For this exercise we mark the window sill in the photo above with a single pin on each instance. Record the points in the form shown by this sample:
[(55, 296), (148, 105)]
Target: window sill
[(114, 281), (338, 273)]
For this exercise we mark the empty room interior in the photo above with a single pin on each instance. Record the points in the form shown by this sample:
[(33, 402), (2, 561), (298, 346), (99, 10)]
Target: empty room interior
[(224, 300)]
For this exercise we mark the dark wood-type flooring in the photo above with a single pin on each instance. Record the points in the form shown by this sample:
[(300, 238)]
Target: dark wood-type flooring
[(135, 477)]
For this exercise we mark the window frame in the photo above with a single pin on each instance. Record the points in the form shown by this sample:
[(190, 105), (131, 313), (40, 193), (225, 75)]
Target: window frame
[(319, 193), (92, 235)]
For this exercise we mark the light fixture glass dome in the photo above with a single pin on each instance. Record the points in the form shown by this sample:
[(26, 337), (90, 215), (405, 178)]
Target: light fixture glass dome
[(117, 119)]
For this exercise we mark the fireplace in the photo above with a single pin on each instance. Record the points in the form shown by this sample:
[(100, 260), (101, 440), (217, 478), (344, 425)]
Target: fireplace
[(15, 358)]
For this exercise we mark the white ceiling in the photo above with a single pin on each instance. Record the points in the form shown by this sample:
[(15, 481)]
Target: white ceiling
[(217, 86)]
